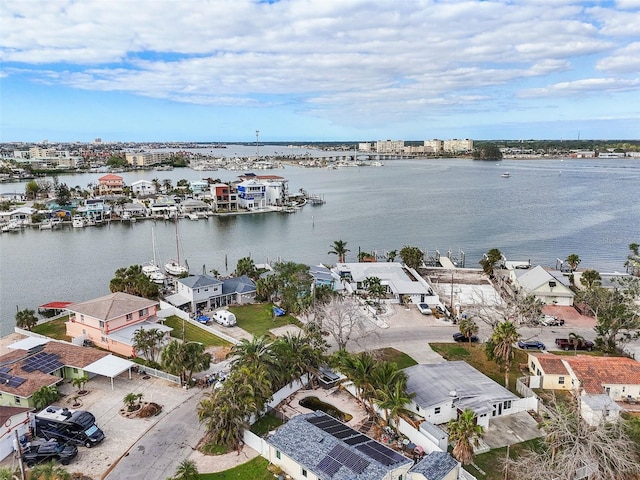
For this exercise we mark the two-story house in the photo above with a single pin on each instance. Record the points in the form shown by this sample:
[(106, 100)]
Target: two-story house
[(204, 292), (224, 198), (143, 188), (110, 184), (110, 322)]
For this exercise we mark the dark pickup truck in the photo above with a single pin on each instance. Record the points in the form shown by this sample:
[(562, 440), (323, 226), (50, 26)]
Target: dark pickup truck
[(571, 344)]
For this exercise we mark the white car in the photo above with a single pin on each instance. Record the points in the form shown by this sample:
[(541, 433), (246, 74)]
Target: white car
[(425, 309)]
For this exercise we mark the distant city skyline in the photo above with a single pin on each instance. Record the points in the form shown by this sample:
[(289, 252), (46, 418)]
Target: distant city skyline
[(316, 70)]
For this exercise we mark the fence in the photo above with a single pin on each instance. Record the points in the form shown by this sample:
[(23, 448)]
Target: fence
[(168, 310)]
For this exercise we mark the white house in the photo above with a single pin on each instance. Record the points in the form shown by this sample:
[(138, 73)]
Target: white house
[(442, 390), (399, 280), (596, 409), (548, 288), (143, 187), (14, 419)]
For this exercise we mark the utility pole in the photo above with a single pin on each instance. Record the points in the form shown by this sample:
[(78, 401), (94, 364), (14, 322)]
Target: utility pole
[(18, 449)]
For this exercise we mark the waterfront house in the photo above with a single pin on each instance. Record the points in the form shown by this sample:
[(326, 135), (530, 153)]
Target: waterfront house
[(204, 292), (315, 446), (443, 390), (276, 188), (143, 188), (110, 184), (198, 187), (164, 205), (198, 207), (551, 288), (110, 322), (223, 197), (399, 280), (251, 195)]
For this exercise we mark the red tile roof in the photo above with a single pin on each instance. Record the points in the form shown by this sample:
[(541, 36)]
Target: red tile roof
[(551, 364), (110, 176), (595, 372)]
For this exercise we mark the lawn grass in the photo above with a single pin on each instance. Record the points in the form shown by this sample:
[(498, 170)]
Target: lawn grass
[(55, 329), (475, 356), (193, 333), (258, 319), (255, 469), (265, 424), (392, 355)]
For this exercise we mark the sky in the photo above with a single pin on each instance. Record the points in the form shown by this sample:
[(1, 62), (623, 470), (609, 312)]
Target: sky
[(318, 70)]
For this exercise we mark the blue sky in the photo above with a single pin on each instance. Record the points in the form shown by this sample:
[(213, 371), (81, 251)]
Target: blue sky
[(319, 70)]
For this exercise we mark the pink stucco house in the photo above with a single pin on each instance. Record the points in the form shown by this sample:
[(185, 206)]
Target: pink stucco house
[(110, 322), (110, 184)]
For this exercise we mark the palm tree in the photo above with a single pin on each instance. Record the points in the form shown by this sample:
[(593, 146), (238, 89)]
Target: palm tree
[(130, 400), (500, 346), (489, 261), (573, 261), (49, 471), (187, 470), (80, 382), (148, 342), (590, 279), (468, 328), (359, 369), (26, 319), (194, 359), (464, 432), (340, 249), (391, 255), (374, 288), (255, 353), (245, 266), (393, 399)]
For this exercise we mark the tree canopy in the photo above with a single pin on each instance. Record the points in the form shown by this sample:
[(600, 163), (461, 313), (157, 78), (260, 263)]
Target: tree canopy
[(412, 257), (131, 280), (487, 151)]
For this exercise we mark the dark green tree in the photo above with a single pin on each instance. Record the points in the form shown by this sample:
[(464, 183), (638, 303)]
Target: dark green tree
[(487, 151), (490, 261), (245, 266), (340, 249), (590, 279), (26, 319), (131, 280), (412, 257)]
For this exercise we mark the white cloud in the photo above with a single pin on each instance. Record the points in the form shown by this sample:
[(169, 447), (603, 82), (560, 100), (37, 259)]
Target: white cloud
[(584, 86), (326, 56)]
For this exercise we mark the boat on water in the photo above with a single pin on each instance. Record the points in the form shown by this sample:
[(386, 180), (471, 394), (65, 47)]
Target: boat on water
[(505, 175), (174, 267), (77, 221), (151, 269), (12, 226)]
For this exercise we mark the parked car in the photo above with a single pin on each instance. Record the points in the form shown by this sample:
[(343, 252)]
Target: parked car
[(531, 345), (425, 309), (41, 451), (459, 337), (577, 344)]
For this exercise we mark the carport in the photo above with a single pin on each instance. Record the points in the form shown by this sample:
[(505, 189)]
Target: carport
[(110, 366)]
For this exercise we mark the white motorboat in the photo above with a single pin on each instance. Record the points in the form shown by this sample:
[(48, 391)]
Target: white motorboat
[(505, 175), (193, 216), (77, 221), (12, 226)]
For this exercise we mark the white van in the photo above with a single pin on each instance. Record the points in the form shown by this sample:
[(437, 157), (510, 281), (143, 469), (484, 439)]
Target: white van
[(224, 317)]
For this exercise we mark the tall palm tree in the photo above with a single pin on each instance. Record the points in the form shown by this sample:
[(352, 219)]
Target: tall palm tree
[(340, 249), (187, 470), (464, 432), (194, 359), (590, 278), (500, 346), (468, 328), (359, 369), (573, 261), (393, 399), (255, 353)]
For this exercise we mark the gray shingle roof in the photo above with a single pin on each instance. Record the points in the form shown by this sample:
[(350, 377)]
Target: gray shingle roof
[(435, 466), (241, 285), (199, 281), (309, 446)]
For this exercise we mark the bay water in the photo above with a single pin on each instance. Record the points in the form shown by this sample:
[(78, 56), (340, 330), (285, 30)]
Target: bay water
[(547, 209)]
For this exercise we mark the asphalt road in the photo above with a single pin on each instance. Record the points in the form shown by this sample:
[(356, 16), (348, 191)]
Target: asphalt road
[(159, 452)]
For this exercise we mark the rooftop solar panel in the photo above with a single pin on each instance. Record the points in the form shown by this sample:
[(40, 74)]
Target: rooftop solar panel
[(358, 439), (380, 453), (43, 361), (5, 369), (329, 466), (349, 459)]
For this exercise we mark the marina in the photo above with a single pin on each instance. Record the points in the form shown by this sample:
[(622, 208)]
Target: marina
[(440, 206)]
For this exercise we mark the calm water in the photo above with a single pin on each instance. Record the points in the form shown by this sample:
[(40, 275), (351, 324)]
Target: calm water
[(548, 209)]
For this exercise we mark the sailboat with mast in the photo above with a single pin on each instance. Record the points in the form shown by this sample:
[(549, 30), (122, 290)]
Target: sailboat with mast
[(174, 267), (151, 269)]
